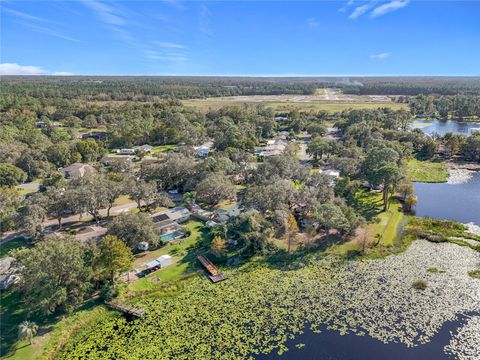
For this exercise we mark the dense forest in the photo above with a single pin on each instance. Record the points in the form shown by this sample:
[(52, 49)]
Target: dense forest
[(146, 88), (413, 86)]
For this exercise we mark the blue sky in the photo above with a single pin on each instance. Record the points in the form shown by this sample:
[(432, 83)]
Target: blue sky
[(372, 37)]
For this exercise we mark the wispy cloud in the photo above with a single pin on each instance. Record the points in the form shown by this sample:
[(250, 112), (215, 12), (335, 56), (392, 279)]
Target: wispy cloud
[(16, 69), (204, 21), (380, 56), (48, 31), (360, 10), (108, 14), (32, 22), (345, 7), (167, 51), (389, 7), (176, 4), (379, 7), (312, 22), (171, 45), (24, 15)]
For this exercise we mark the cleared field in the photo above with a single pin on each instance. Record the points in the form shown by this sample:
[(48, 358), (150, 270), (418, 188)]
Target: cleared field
[(285, 105)]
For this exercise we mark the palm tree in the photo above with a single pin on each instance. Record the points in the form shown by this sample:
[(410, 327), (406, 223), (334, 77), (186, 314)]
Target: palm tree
[(27, 330)]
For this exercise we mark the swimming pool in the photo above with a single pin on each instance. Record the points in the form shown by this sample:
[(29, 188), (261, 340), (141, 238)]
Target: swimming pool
[(172, 236)]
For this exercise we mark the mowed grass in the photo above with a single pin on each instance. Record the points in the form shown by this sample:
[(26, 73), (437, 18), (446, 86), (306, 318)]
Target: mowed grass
[(383, 228), (427, 171), (162, 148), (386, 229), (184, 254), (331, 107)]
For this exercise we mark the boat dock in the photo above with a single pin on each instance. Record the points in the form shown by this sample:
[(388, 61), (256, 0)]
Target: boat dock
[(215, 275), (126, 309)]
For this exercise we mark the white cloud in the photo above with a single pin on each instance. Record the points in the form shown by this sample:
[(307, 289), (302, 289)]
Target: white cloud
[(359, 11), (16, 69), (312, 22), (389, 7), (171, 45), (380, 56)]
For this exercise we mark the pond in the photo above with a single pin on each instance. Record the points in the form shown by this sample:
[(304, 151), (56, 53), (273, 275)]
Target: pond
[(441, 127), (458, 202)]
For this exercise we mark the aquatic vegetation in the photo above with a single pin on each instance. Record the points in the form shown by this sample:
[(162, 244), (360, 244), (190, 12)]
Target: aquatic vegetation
[(465, 345), (263, 305), (474, 274), (420, 285)]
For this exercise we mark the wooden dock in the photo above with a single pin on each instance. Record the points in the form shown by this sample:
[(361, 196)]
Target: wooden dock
[(215, 275), (126, 309)]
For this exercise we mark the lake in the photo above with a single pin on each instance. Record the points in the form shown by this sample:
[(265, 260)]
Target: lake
[(330, 345), (458, 202), (441, 127)]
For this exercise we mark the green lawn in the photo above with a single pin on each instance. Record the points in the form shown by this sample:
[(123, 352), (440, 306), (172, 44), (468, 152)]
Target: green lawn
[(163, 148), (184, 254), (386, 229), (427, 171)]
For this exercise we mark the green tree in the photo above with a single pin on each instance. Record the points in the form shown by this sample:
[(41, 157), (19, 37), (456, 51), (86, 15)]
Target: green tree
[(55, 275), (11, 175), (133, 229), (9, 202), (114, 257), (215, 188), (317, 148), (90, 150), (141, 191), (330, 216)]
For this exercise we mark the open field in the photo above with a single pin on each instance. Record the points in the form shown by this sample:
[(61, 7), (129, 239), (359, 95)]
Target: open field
[(427, 171), (330, 100)]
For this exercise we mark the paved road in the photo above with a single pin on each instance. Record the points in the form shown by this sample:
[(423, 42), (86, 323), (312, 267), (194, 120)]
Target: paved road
[(69, 219)]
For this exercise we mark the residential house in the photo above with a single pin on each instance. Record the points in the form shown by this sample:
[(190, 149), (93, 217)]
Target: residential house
[(131, 151), (204, 149), (77, 170), (274, 147), (178, 214), (108, 160)]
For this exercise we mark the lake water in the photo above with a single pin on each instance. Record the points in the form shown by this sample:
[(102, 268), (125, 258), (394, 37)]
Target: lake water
[(458, 202), (441, 127), (330, 345)]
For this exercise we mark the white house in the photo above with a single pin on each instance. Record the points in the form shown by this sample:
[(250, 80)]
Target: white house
[(204, 149)]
